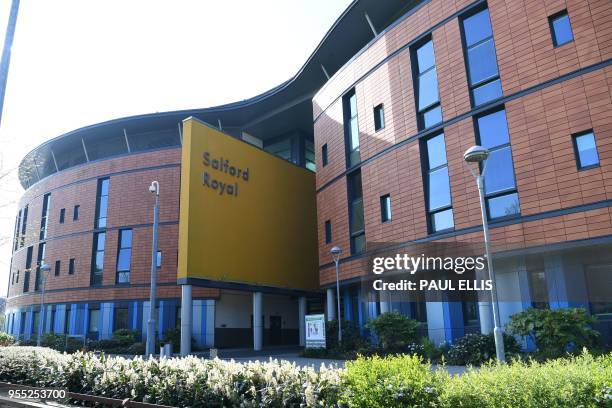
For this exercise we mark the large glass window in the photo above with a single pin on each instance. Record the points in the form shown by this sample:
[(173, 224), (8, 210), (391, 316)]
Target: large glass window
[(356, 222), (97, 260), (351, 129), (429, 111), (120, 318), (94, 321), (599, 287), (102, 203), (438, 194), (124, 256), (481, 59), (499, 184), (44, 220)]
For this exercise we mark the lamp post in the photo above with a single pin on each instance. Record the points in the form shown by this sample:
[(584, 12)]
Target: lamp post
[(478, 154), (43, 268), (150, 348), (335, 252)]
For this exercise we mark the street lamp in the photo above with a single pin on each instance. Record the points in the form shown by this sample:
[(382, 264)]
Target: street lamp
[(479, 154), (335, 253), (43, 268), (150, 348)]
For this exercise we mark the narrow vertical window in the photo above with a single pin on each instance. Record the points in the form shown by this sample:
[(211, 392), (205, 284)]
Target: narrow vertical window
[(75, 213), (379, 117), (356, 221), (17, 230), (120, 318), (309, 155), (585, 150), (58, 267), (427, 96), (97, 260), (385, 208), (44, 221), (124, 256), (102, 203), (71, 266), (40, 257), (560, 28), (24, 226), (438, 194), (351, 129), (62, 215), (158, 259), (500, 185), (481, 59), (28, 269), (328, 232), (324, 158), (94, 321)]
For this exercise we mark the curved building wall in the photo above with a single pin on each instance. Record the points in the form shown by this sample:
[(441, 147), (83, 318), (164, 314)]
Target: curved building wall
[(549, 95)]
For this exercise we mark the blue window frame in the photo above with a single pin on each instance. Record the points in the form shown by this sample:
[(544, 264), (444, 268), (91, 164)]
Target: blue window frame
[(425, 78), (481, 58), (585, 149), (499, 183), (437, 185), (560, 28)]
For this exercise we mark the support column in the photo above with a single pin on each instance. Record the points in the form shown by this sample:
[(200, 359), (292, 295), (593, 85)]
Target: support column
[(302, 318), (331, 305), (186, 319), (257, 329)]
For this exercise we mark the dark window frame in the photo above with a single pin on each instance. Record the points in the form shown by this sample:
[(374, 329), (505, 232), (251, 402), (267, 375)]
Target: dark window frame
[(98, 199), (58, 268), (385, 216), (379, 117), (324, 155), (426, 171), (346, 108), (120, 248), (551, 20), (416, 74), (62, 216), (471, 87), (71, 266), (44, 219), (328, 231), (96, 278), (354, 235), (579, 166), (507, 191), (76, 212)]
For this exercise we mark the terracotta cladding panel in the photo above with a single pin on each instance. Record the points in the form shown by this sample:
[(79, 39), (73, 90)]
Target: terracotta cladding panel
[(332, 204)]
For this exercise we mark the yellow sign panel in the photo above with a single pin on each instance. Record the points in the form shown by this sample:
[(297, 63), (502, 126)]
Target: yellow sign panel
[(247, 217)]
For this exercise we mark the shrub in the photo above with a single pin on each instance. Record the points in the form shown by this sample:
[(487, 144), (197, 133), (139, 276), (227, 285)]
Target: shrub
[(555, 332), (582, 381), (431, 351), (477, 349), (394, 331), (351, 338), (6, 339), (125, 337), (400, 381)]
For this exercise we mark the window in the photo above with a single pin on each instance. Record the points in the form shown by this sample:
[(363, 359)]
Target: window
[(429, 112), (94, 321), (17, 230), (599, 282), (328, 232), (351, 129), (560, 28), (16, 277), (35, 322), (24, 226), (58, 267), (75, 213), (385, 208), (68, 321), (97, 259), (120, 318), (71, 266), (62, 215), (356, 223), (437, 185), (379, 117), (481, 59), (309, 155), (324, 158), (26, 281), (158, 259), (124, 256), (537, 288), (499, 182), (40, 257), (418, 311), (102, 203), (585, 150), (470, 312), (45, 216), (28, 269)]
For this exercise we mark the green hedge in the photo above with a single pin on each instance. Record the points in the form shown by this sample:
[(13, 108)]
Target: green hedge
[(399, 381)]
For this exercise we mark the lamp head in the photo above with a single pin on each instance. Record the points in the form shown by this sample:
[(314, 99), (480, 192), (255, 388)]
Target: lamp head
[(154, 188), (335, 252), (476, 154), (44, 267)]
